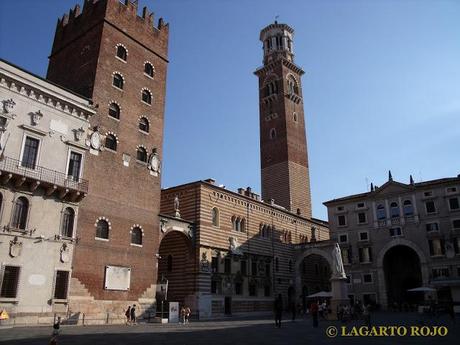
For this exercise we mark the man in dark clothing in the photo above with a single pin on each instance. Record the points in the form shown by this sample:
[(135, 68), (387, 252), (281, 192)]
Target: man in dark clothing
[(314, 313), (278, 308), (133, 314)]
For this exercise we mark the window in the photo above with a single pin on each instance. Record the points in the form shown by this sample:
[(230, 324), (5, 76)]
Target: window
[(238, 288), (73, 171), (122, 53), (169, 263), (30, 153), (381, 214), (428, 194), (61, 284), (272, 133), (365, 254), (213, 286), (243, 225), (228, 265), (144, 124), (440, 273), (394, 210), (252, 289), (342, 220), (146, 96), (149, 70), (432, 227), (254, 267), (215, 216), (136, 235), (111, 142), (436, 247), (10, 282), (408, 208), (362, 219), (215, 265), (243, 267), (367, 278), (141, 154), (451, 190), (456, 224), (395, 232), (360, 205), (430, 207), (346, 255), (68, 219), (343, 238), (271, 88), (118, 81), (294, 116), (102, 229), (114, 111), (364, 236), (453, 204), (313, 234), (340, 208), (20, 213)]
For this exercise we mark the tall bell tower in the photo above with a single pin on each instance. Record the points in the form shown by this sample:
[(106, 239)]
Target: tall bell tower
[(283, 143)]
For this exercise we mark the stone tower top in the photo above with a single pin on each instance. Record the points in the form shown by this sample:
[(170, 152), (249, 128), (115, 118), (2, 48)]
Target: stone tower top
[(277, 40)]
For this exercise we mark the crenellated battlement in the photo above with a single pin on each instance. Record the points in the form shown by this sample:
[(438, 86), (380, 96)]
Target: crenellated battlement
[(128, 8)]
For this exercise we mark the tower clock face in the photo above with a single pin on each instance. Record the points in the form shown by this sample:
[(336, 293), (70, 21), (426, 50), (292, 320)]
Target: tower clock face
[(95, 141)]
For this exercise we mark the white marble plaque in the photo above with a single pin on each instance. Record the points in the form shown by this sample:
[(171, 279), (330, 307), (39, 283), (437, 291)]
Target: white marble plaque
[(59, 126), (37, 279), (117, 278)]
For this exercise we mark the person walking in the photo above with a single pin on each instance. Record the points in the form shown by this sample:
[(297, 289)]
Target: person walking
[(133, 314), (314, 313), (188, 312), (128, 315), (182, 315), (56, 328), (278, 309)]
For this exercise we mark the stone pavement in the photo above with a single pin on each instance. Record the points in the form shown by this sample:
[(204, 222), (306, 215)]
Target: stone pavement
[(230, 331)]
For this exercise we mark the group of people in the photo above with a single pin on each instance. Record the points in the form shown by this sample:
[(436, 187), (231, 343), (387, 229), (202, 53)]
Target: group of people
[(356, 311), (131, 315), (185, 313)]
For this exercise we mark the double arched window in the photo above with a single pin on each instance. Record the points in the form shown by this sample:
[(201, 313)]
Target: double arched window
[(68, 219), (271, 88), (20, 213), (238, 224)]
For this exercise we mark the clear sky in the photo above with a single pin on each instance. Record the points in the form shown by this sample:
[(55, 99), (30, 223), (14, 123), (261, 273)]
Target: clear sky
[(381, 89)]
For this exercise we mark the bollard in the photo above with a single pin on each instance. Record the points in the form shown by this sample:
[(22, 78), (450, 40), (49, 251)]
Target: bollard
[(83, 321), (107, 320)]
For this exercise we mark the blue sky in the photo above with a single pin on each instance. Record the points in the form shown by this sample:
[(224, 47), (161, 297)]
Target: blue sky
[(381, 89)]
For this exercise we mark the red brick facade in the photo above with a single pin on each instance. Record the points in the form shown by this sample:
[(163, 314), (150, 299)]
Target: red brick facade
[(84, 59)]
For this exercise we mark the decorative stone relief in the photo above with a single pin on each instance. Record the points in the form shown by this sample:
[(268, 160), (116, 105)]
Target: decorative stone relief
[(65, 253), (15, 247), (154, 163), (204, 262), (8, 105), (235, 246), (36, 117), (79, 133)]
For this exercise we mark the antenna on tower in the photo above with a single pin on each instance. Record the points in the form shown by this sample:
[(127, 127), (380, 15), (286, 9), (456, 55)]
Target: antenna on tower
[(276, 19)]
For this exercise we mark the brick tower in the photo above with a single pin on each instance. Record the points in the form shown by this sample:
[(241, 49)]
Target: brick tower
[(283, 143), (108, 53)]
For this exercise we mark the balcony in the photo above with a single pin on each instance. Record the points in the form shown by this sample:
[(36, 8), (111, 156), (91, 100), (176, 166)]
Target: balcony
[(53, 182)]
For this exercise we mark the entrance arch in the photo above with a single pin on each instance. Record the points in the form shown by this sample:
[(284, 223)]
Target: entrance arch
[(413, 273)]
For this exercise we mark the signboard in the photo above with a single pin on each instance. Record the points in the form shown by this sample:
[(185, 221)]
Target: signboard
[(117, 278), (173, 312), (162, 289)]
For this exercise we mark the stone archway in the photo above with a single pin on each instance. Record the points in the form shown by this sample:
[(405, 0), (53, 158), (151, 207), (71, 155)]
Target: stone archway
[(383, 286)]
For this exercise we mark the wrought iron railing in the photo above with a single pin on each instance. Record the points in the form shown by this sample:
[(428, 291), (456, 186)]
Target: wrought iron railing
[(42, 174)]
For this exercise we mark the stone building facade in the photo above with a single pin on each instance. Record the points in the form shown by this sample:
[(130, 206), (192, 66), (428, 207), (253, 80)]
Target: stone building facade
[(42, 156), (400, 236), (237, 254), (109, 53)]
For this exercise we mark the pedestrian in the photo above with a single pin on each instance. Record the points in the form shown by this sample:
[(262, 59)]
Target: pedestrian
[(367, 315), (278, 309), (128, 315), (293, 306), (187, 314), (57, 326), (314, 313), (182, 315), (133, 315)]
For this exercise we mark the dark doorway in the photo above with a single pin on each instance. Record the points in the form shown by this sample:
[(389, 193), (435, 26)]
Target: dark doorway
[(315, 273), (291, 298), (401, 265), (228, 306)]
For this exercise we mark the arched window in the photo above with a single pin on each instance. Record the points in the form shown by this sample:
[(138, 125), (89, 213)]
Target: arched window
[(149, 70), (294, 117), (292, 85), (381, 214), (170, 263), (144, 124), (118, 81), (215, 216), (243, 225), (20, 213), (136, 235), (68, 219), (394, 210), (102, 229), (272, 133), (111, 142), (141, 154), (122, 53), (271, 88), (114, 111), (233, 223), (408, 208), (238, 224), (146, 96)]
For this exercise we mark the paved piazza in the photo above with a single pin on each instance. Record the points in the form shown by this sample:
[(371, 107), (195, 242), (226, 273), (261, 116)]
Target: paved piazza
[(241, 331)]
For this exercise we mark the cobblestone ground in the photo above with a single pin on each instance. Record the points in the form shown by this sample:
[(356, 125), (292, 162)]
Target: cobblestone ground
[(232, 331)]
